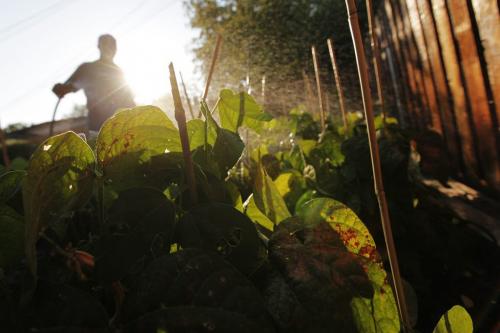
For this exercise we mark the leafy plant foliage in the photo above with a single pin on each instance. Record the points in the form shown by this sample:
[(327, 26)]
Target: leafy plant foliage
[(282, 238)]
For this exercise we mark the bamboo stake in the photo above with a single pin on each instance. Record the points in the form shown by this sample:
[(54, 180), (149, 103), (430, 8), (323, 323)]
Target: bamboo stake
[(375, 158), (376, 58), (215, 55), (318, 87), (188, 100), (5, 153), (180, 116), (338, 83), (263, 91), (309, 91)]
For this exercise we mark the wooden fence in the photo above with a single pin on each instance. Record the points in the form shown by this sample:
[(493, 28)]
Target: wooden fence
[(443, 57)]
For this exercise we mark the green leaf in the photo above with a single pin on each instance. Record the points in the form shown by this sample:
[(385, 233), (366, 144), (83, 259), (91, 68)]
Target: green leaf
[(235, 195), (140, 222), (267, 197), (225, 230), (11, 236), (59, 179), (255, 214), (455, 320), (307, 145), (291, 185), (129, 139), (193, 290), (227, 150), (323, 274), (18, 163), (143, 210), (10, 184), (196, 132), (230, 116), (379, 121), (378, 314)]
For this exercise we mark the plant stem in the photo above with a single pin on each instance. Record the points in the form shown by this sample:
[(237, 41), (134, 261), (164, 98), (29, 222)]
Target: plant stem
[(375, 158), (241, 115), (318, 86), (180, 116), (338, 83), (188, 100), (215, 55)]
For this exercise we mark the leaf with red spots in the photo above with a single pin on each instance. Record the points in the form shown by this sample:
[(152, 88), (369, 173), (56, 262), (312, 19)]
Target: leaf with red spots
[(375, 314), (323, 275), (59, 179), (129, 139)]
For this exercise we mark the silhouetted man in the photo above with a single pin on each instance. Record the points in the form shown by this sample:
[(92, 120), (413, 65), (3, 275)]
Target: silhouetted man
[(103, 83)]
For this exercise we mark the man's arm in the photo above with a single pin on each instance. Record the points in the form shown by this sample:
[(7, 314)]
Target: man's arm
[(72, 84)]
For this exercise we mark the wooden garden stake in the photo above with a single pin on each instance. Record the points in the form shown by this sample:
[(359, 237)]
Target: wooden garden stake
[(188, 100), (5, 153), (376, 58), (309, 91), (338, 83), (374, 152), (215, 55), (318, 87), (263, 91), (180, 116)]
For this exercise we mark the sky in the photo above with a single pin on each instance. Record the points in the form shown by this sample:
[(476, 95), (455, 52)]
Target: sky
[(43, 41)]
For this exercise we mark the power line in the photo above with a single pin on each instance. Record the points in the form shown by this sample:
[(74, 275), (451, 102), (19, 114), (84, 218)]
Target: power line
[(146, 20), (28, 22)]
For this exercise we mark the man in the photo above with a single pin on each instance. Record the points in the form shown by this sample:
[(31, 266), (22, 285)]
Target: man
[(103, 83)]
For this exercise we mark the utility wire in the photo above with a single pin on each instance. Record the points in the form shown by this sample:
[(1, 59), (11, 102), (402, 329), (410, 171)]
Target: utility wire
[(67, 64), (28, 22)]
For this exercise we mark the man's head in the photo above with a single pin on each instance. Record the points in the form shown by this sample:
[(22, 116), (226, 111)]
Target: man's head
[(107, 46)]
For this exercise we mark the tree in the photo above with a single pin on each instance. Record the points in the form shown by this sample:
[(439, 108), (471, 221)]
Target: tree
[(271, 38)]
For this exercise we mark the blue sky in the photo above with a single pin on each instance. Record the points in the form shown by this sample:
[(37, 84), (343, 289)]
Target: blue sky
[(43, 41)]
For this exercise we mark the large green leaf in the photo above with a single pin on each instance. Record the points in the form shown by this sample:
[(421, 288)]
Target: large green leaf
[(225, 230), (143, 210), (10, 184), (268, 198), (11, 236), (291, 185), (194, 290), (196, 130), (323, 275), (455, 320), (229, 106), (129, 139), (139, 222), (227, 150), (255, 214), (59, 179), (378, 314)]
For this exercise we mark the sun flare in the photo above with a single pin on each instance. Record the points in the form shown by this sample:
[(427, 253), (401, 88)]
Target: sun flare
[(145, 71)]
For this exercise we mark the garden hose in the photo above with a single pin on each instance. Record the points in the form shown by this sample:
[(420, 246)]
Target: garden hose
[(51, 131)]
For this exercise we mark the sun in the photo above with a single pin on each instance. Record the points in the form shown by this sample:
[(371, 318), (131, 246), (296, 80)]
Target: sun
[(147, 81), (146, 72)]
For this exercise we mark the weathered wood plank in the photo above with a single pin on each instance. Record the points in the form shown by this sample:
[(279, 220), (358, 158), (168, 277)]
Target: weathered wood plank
[(476, 89), (443, 92), (488, 21), (404, 32), (453, 74), (395, 31), (410, 12)]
